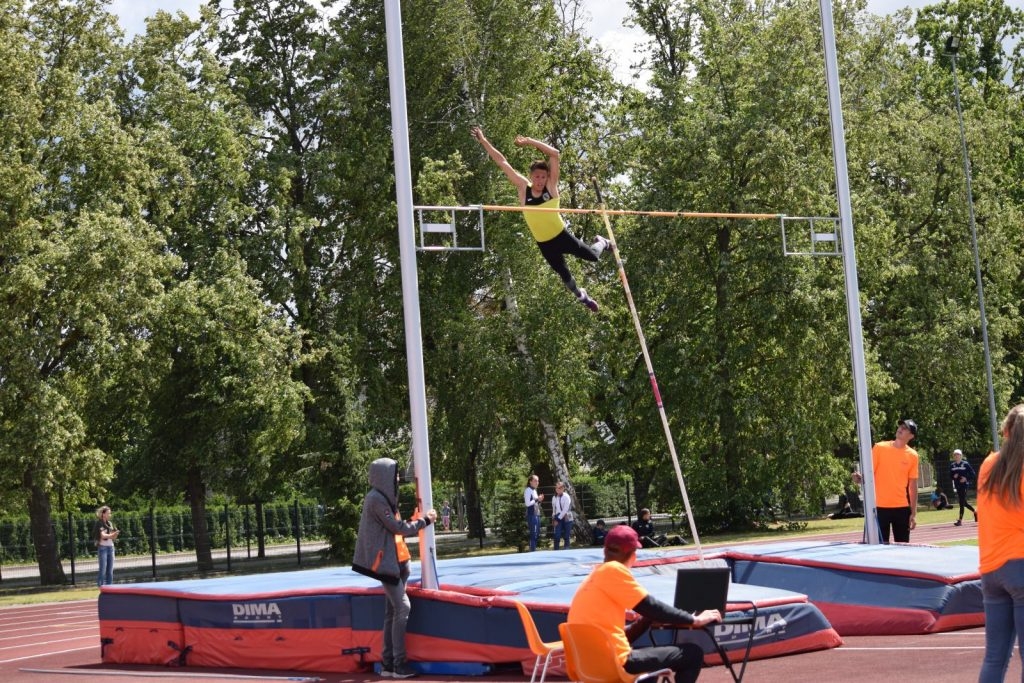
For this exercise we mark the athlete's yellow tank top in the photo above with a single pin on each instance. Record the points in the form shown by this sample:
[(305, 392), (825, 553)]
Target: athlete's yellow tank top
[(545, 225)]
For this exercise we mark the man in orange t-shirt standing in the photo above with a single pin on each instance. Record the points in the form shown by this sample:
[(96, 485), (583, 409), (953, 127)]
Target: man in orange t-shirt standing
[(894, 464)]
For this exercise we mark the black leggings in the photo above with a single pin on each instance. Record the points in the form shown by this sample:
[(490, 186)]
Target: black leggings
[(685, 659), (961, 497), (897, 519), (554, 251)]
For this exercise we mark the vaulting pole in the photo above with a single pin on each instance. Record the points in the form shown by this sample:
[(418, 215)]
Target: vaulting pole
[(650, 373)]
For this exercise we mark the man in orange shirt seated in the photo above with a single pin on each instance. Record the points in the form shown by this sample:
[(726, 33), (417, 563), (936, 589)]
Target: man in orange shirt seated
[(604, 596), (895, 466)]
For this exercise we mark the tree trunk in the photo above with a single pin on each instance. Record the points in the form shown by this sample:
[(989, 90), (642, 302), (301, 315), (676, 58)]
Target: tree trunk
[(197, 501), (728, 421), (261, 531), (44, 538), (550, 433), (473, 508)]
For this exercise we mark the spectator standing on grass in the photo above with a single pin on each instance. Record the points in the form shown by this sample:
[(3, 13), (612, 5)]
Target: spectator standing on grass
[(446, 516), (532, 501), (561, 515), (106, 534), (962, 474), (1001, 547), (381, 554), (894, 464)]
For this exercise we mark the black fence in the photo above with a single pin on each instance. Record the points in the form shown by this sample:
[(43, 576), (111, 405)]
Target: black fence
[(160, 542)]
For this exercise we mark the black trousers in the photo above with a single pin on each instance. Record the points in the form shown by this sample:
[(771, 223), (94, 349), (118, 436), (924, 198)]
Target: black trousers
[(961, 497), (554, 251), (686, 660), (896, 519)]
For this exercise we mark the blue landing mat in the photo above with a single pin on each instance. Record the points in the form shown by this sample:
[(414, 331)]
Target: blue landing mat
[(301, 620)]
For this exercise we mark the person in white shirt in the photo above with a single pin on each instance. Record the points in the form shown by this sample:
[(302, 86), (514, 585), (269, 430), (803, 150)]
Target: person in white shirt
[(532, 501), (561, 515)]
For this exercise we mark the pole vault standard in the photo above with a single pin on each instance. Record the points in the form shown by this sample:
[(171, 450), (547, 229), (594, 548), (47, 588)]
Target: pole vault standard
[(853, 320), (410, 288), (650, 373)]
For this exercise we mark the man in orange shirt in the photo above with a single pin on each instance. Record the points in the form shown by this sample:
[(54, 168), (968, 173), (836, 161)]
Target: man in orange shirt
[(604, 596), (895, 466)]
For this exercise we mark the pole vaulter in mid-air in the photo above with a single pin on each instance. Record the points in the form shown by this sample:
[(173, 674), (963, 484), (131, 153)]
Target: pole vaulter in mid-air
[(548, 228)]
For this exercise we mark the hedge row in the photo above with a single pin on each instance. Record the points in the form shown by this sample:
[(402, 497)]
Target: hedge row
[(173, 529)]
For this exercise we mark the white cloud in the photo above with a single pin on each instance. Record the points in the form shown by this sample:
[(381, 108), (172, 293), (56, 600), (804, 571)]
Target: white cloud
[(132, 14)]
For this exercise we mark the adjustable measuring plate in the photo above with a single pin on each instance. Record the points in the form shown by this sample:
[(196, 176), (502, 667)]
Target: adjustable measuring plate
[(810, 236), (441, 226)]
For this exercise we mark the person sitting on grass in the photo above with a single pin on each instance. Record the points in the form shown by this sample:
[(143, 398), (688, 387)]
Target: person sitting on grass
[(599, 531), (644, 528), (939, 499)]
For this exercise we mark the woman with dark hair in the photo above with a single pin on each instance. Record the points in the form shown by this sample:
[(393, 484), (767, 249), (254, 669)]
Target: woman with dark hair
[(644, 528), (106, 534), (532, 501), (1001, 547)]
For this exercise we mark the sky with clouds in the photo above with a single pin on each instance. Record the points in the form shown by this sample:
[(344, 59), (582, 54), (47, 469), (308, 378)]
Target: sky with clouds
[(606, 25), (607, 16)]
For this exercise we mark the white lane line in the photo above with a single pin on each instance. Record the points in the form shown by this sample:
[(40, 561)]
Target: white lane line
[(49, 654), (35, 636), (58, 640), (908, 648)]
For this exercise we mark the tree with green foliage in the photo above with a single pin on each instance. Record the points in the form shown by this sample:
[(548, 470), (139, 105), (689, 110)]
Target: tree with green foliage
[(222, 407), (80, 268)]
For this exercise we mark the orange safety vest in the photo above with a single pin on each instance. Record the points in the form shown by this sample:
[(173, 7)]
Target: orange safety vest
[(400, 546)]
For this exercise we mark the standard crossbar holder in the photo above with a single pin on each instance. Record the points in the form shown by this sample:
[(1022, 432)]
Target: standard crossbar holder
[(810, 236), (440, 227)]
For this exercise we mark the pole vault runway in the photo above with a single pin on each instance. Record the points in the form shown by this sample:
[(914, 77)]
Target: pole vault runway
[(60, 642), (47, 651)]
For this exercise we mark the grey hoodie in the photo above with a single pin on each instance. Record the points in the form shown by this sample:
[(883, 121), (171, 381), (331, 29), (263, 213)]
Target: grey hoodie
[(376, 554)]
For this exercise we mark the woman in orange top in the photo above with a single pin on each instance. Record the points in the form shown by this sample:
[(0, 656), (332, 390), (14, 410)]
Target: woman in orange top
[(1001, 547)]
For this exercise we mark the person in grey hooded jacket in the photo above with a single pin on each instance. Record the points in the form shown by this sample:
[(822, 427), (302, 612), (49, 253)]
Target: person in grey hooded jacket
[(381, 554)]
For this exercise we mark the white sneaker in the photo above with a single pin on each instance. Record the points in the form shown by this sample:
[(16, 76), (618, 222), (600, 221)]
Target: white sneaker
[(587, 301)]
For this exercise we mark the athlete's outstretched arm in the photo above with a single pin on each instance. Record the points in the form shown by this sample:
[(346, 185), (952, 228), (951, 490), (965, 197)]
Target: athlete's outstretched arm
[(499, 159)]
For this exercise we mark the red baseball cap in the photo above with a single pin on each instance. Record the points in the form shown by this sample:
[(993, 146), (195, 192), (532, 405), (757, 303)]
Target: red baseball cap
[(622, 538)]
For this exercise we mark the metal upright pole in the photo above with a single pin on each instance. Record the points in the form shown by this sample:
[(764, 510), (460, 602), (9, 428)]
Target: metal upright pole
[(951, 47), (410, 286), (860, 385)]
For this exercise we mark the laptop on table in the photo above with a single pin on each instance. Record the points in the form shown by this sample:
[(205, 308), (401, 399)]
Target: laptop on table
[(704, 588)]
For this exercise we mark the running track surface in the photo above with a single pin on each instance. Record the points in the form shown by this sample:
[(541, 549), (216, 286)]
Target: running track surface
[(60, 642)]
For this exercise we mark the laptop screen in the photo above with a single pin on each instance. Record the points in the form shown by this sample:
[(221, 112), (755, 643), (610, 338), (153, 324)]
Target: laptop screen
[(702, 588)]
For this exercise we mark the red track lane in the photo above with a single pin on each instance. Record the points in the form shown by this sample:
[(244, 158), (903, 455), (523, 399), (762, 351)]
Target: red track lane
[(61, 643)]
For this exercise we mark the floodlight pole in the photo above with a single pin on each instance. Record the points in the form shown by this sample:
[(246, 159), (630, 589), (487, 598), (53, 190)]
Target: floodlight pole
[(410, 287), (952, 47), (860, 385)]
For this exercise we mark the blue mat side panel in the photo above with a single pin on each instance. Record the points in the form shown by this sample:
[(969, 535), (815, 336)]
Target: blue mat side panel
[(862, 603), (124, 607), (774, 627)]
